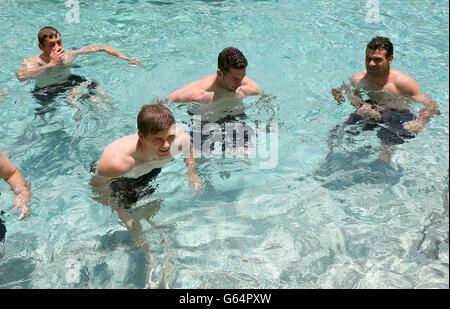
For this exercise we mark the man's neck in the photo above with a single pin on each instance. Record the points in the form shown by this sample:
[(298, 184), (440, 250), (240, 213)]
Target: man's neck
[(220, 91), (381, 80), (142, 154), (44, 58)]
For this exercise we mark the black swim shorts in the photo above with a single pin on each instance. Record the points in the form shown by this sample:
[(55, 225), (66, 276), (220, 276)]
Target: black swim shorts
[(2, 230), (390, 130), (129, 190), (47, 94), (227, 138)]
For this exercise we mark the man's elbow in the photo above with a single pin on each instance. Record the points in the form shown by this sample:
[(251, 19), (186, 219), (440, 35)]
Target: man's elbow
[(21, 75), (171, 97), (174, 97), (430, 105), (434, 109), (12, 175)]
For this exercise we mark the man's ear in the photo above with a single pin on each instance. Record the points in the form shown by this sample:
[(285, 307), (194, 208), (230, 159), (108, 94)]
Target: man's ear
[(219, 73), (391, 58), (41, 47), (140, 135)]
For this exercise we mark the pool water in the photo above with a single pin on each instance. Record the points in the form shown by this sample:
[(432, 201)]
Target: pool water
[(343, 221)]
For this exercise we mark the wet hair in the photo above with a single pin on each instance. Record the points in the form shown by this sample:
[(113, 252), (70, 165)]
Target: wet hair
[(231, 57), (154, 118), (380, 42), (46, 32)]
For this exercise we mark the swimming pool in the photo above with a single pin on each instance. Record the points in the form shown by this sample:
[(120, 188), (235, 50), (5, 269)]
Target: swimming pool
[(349, 222)]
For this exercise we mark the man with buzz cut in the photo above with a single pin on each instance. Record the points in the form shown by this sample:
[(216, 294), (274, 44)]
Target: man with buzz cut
[(388, 94), (51, 69), (220, 97), (129, 165), (230, 80)]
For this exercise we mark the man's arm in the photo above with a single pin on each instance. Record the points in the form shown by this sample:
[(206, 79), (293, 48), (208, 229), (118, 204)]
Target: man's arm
[(353, 93), (187, 149), (31, 69), (105, 48), (251, 88), (113, 165), (26, 72), (410, 87), (188, 94), (14, 178)]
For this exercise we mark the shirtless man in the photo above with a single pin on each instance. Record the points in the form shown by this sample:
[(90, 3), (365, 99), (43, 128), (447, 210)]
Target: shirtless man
[(12, 175), (129, 164), (220, 99), (220, 94), (390, 93), (51, 69)]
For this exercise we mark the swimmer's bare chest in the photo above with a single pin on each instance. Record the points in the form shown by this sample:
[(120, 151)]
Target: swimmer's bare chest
[(143, 168), (53, 75), (387, 97)]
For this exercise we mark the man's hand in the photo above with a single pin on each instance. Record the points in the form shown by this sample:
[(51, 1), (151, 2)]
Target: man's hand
[(113, 52), (337, 94), (366, 110), (135, 61), (21, 202), (57, 55), (413, 126)]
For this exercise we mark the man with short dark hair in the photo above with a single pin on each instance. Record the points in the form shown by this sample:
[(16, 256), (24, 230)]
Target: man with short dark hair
[(390, 93), (51, 69), (230, 80), (220, 97)]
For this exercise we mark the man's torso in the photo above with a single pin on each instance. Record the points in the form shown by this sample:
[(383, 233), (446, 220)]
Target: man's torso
[(54, 75), (389, 96)]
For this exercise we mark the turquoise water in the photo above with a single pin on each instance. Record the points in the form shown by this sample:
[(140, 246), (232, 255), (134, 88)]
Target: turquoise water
[(349, 222)]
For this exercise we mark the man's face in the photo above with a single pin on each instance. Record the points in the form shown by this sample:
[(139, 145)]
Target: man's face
[(376, 62), (51, 44), (159, 143), (232, 79)]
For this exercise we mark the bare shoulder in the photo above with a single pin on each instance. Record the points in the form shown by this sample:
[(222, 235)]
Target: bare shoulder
[(358, 77), (114, 164), (405, 83), (250, 87), (193, 92), (117, 158), (70, 55), (32, 62), (182, 136)]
